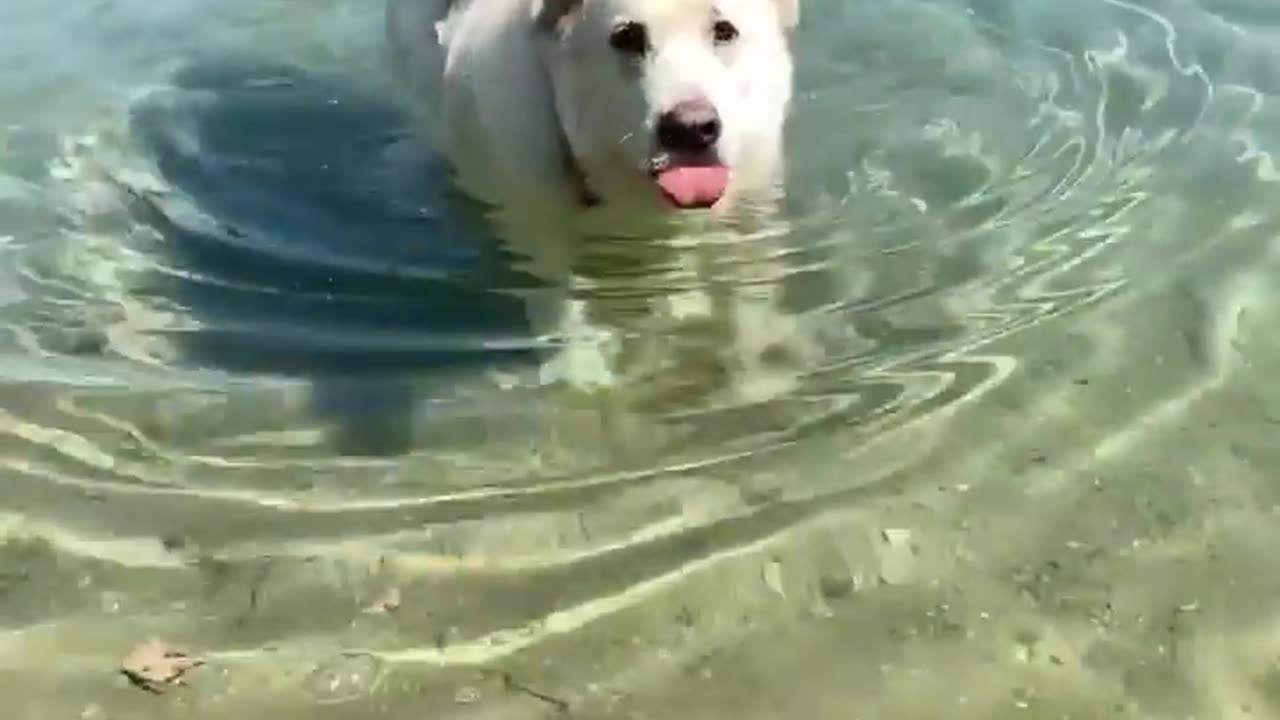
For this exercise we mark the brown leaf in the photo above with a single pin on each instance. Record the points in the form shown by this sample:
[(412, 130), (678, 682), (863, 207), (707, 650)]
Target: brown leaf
[(155, 664), (387, 603)]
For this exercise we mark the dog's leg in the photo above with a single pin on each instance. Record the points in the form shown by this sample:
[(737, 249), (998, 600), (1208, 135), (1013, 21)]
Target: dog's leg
[(761, 347)]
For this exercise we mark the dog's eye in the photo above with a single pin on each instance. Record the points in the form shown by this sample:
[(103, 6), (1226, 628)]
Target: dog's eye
[(630, 37), (724, 32)]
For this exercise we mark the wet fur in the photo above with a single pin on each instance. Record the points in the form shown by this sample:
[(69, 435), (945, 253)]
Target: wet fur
[(527, 102)]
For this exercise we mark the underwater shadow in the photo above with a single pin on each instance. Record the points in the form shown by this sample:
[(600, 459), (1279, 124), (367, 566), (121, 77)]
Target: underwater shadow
[(325, 244)]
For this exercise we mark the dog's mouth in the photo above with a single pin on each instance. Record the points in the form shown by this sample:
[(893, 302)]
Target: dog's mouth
[(690, 182)]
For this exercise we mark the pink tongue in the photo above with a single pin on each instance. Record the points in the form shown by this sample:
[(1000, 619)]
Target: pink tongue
[(694, 186)]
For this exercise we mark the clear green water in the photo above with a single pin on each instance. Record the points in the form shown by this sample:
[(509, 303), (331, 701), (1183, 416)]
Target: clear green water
[(253, 376)]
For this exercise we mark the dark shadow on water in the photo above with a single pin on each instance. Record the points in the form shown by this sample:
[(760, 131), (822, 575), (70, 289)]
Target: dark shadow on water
[(326, 244)]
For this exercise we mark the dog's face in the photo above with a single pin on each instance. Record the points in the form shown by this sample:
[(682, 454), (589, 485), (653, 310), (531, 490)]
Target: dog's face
[(671, 103)]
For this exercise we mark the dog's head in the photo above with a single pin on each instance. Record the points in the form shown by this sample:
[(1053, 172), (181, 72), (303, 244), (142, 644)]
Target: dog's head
[(674, 103)]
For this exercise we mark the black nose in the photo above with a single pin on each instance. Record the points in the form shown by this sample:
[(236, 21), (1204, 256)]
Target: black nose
[(689, 126)]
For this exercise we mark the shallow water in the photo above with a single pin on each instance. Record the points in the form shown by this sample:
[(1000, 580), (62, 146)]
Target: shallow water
[(258, 368)]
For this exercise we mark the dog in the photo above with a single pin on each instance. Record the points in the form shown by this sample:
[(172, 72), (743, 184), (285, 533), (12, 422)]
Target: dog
[(583, 122)]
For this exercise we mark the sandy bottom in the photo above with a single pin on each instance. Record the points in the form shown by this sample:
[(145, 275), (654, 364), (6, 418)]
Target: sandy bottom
[(1091, 536), (1040, 482)]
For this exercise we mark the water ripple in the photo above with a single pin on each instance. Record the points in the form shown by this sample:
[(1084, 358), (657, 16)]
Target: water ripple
[(231, 361)]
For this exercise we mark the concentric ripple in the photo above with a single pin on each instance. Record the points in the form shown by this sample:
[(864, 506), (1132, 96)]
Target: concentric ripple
[(261, 365)]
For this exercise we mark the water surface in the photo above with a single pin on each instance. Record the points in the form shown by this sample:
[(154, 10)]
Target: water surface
[(259, 367)]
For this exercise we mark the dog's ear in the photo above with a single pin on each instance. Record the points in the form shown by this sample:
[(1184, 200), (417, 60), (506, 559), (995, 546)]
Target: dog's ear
[(788, 12), (549, 14)]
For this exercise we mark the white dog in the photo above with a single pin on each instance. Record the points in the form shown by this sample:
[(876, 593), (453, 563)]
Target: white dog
[(627, 116)]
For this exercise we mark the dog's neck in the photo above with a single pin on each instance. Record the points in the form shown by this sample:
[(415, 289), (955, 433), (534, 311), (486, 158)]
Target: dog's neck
[(583, 196), (581, 190)]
